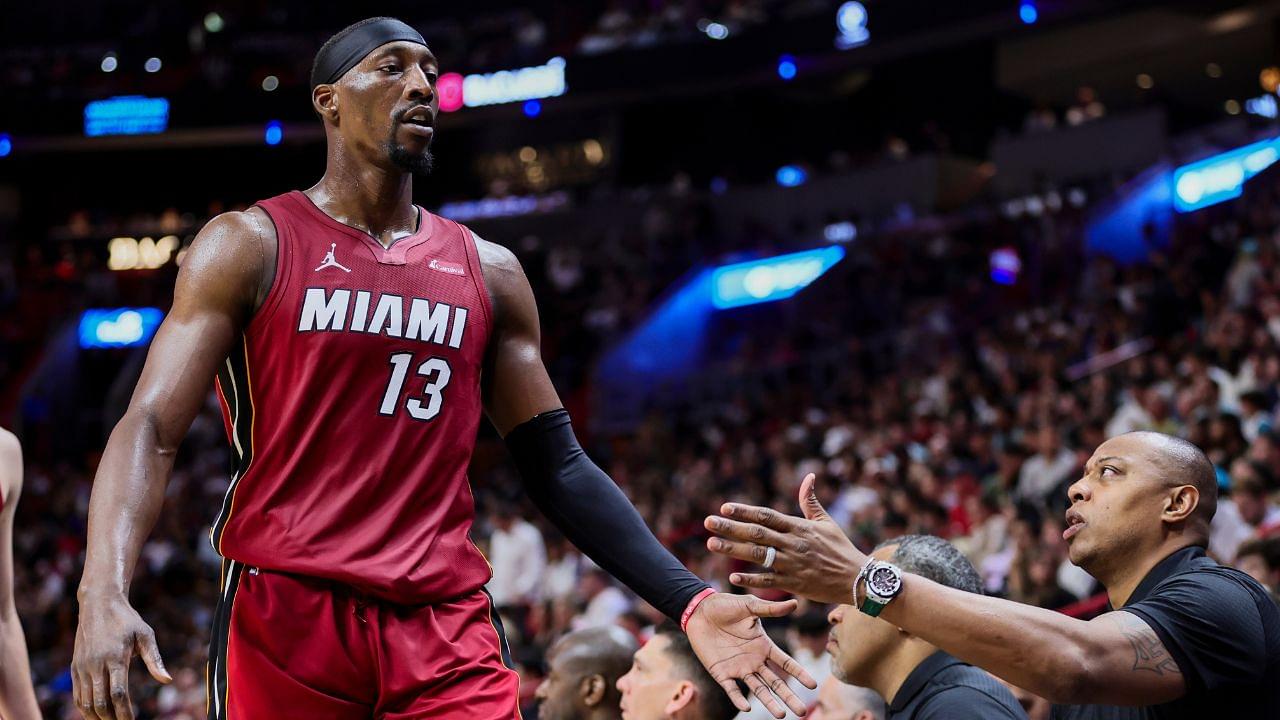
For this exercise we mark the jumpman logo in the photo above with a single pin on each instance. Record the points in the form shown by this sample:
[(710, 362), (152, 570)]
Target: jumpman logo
[(331, 261)]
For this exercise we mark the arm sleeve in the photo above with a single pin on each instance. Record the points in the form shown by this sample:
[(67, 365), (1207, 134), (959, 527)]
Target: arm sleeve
[(1210, 624), (589, 508)]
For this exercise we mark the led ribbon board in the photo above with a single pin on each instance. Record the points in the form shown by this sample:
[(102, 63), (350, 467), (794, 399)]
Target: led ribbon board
[(775, 278), (1221, 177), (504, 86), (126, 115), (120, 327)]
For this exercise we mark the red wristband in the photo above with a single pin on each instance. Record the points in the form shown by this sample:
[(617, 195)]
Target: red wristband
[(693, 605)]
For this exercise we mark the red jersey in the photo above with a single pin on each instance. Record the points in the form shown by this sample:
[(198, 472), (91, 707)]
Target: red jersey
[(352, 403)]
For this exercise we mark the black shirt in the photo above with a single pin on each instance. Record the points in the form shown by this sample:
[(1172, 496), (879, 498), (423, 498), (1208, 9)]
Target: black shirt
[(943, 688), (1221, 628)]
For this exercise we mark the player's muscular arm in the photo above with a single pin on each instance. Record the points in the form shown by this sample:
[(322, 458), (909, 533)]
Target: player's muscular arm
[(17, 698), (585, 504), (516, 386), (220, 284)]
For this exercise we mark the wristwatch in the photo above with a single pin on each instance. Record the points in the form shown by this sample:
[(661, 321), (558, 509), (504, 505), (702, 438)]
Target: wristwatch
[(884, 582)]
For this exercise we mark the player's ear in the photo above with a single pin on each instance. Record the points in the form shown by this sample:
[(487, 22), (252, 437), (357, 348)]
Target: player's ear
[(592, 689), (325, 101)]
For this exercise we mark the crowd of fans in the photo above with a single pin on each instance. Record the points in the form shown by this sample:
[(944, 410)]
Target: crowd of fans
[(926, 397), (235, 46)]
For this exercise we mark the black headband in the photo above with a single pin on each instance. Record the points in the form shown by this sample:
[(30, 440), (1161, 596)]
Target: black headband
[(343, 53)]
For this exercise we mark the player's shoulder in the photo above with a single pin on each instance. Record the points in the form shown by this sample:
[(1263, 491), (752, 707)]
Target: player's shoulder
[(494, 256), (10, 448), (251, 226), (10, 459)]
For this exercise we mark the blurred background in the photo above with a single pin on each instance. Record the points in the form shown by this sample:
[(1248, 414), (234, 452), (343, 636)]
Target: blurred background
[(933, 252)]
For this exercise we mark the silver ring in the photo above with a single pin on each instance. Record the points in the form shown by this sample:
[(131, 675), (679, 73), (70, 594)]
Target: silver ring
[(769, 556)]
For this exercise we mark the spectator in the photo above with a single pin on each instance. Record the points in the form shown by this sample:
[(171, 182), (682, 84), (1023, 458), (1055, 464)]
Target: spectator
[(915, 678), (839, 701), (1260, 558), (1051, 466), (605, 603), (667, 682), (582, 680), (519, 560)]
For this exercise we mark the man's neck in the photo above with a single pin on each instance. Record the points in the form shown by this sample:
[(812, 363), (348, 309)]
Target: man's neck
[(374, 199), (1122, 581), (892, 671)]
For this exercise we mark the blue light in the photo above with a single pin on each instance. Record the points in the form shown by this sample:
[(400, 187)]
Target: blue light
[(775, 278), (532, 108), (851, 20), (786, 67), (274, 133), (126, 115), (791, 176), (121, 327), (1028, 12), (6, 144), (1221, 177)]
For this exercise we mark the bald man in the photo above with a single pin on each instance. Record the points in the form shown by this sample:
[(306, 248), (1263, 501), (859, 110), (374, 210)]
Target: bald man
[(1186, 637), (583, 677), (840, 701)]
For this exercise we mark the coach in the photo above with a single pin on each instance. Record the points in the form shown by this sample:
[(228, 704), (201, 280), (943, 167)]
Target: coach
[(1188, 638)]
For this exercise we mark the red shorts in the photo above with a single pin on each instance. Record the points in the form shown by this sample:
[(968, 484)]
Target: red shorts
[(286, 646)]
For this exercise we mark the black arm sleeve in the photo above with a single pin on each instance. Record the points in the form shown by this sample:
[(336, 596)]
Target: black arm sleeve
[(589, 508)]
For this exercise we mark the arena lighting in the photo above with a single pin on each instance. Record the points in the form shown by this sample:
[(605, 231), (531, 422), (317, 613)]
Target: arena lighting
[(532, 108), (841, 232), (120, 327), (775, 278), (504, 86), (791, 176), (1262, 106), (1221, 177), (851, 20), (152, 65), (6, 145), (126, 115), (786, 67), (1028, 12), (274, 133), (716, 31), (1005, 266), (511, 206), (449, 88), (213, 22), (109, 63), (127, 253)]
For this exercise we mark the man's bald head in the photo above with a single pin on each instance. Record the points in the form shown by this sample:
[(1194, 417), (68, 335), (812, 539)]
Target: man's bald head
[(1182, 463), (584, 671)]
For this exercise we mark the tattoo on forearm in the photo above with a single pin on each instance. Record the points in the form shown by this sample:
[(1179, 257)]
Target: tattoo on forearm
[(1148, 651)]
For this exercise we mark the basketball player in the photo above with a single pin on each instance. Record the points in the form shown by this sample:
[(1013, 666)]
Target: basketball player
[(356, 338), (17, 698)]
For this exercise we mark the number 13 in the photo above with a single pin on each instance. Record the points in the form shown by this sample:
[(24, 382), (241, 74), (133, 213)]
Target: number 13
[(431, 392)]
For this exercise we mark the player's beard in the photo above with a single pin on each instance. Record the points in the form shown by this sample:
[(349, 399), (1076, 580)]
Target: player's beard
[(416, 163)]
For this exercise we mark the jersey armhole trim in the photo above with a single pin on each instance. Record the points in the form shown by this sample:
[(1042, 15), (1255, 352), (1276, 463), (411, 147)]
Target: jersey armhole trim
[(276, 292), (477, 271)]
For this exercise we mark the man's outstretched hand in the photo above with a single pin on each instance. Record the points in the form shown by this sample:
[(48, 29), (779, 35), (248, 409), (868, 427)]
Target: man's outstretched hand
[(726, 634), (814, 559)]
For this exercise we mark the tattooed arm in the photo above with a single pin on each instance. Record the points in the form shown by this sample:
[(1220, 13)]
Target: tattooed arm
[(1115, 659)]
